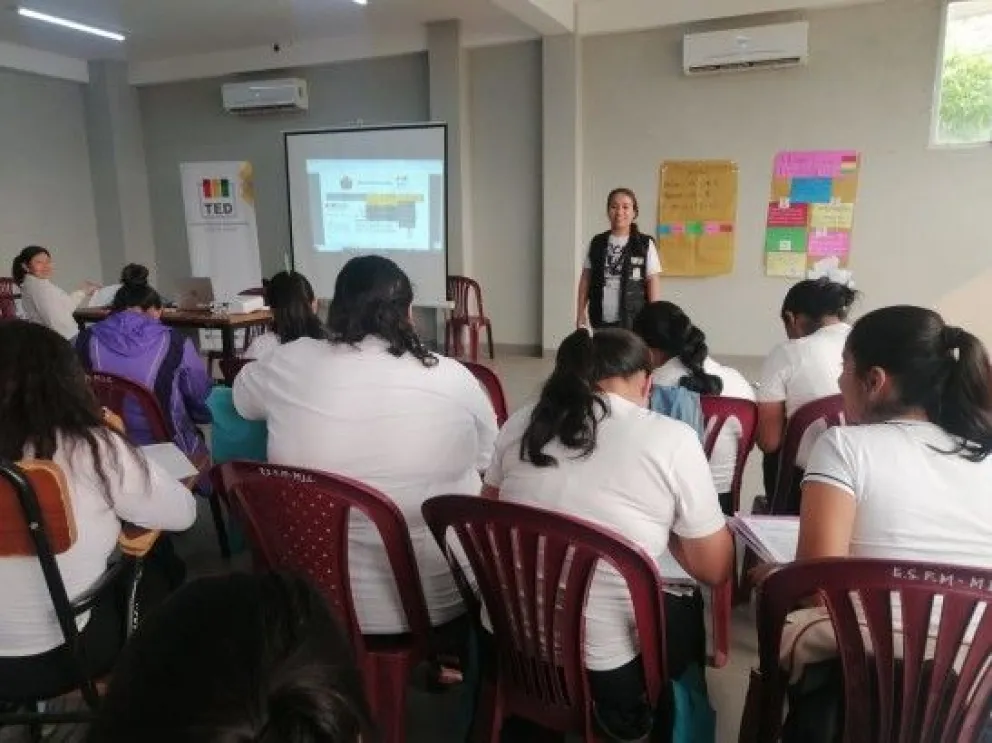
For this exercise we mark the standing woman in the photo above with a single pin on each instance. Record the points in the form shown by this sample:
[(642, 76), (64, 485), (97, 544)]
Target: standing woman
[(42, 301), (622, 270)]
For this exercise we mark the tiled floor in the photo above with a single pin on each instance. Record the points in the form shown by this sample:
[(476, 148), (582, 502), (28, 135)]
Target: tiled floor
[(430, 716)]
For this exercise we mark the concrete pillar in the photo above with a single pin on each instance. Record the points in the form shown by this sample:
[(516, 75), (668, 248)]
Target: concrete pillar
[(449, 102), (119, 173), (563, 241)]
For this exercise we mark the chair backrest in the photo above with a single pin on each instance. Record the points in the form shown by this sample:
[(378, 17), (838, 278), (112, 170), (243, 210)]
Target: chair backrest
[(45, 501), (297, 520), (113, 391), (230, 367), (829, 410), (8, 293), (463, 291), (489, 380), (533, 568), (907, 678), (717, 411)]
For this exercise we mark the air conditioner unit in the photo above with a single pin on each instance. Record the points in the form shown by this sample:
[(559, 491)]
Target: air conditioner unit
[(757, 48), (266, 96)]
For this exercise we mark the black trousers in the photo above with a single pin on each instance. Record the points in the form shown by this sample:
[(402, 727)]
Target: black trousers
[(619, 695)]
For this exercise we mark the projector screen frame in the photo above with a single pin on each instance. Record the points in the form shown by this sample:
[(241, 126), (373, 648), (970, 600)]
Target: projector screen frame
[(442, 125)]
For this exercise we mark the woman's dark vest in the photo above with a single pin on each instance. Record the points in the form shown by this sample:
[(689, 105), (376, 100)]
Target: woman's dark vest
[(633, 286)]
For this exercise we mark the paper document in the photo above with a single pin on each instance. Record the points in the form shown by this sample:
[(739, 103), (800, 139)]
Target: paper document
[(170, 458), (773, 538), (104, 296)]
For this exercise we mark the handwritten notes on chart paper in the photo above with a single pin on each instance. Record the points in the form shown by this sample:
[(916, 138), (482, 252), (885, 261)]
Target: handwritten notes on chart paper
[(697, 212), (811, 211)]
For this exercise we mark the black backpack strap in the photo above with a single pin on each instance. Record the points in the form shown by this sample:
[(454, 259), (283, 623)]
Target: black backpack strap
[(164, 380), (83, 348)]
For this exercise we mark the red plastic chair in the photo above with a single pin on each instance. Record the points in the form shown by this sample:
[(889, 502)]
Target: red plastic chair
[(830, 410), (717, 411), (113, 390), (297, 520), (533, 569), (927, 695), (230, 368), (494, 388), (463, 291), (9, 292)]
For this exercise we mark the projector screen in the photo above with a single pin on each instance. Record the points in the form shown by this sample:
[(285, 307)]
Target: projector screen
[(373, 190)]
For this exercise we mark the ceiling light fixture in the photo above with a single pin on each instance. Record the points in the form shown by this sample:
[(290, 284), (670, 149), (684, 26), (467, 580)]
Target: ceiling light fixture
[(65, 23), (360, 2)]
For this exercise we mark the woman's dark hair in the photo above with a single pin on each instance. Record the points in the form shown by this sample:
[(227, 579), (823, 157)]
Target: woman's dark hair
[(818, 299), (18, 268), (372, 296), (135, 291), (44, 393), (237, 658), (569, 408), (665, 327), (634, 230), (291, 297), (939, 368)]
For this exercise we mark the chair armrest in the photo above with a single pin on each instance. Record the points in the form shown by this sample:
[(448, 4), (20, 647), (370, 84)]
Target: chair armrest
[(135, 541), (88, 598)]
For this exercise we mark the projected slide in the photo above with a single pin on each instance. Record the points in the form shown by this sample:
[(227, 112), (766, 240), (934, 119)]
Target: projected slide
[(382, 205)]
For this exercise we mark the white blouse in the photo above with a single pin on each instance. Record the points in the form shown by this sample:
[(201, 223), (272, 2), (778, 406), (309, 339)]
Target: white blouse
[(410, 431), (157, 501), (46, 304)]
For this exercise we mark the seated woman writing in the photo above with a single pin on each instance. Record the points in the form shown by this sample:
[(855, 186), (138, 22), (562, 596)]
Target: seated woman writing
[(591, 449), (134, 343), (50, 413), (373, 404), (913, 481)]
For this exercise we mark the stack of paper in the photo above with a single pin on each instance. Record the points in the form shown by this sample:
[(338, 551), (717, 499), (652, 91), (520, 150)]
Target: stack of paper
[(170, 458), (677, 581), (773, 538)]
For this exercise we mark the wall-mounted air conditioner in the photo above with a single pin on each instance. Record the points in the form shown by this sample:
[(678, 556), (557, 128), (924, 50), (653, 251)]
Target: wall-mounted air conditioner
[(266, 96), (758, 48)]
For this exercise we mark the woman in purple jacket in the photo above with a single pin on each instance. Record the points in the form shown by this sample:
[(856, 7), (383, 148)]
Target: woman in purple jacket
[(134, 343)]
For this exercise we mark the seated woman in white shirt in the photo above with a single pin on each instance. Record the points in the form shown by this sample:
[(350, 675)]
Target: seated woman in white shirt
[(590, 448), (913, 481), (41, 300), (294, 314), (680, 357), (373, 404), (804, 368), (49, 412)]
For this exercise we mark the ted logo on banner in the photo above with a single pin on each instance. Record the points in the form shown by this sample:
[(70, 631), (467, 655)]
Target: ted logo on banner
[(217, 198)]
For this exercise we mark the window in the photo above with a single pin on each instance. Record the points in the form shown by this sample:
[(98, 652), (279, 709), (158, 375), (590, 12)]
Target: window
[(963, 113)]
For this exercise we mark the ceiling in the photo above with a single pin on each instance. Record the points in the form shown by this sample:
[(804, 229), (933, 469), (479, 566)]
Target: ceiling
[(171, 39)]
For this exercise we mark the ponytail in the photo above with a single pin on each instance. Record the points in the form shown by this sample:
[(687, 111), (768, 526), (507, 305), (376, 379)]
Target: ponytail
[(135, 293), (940, 369), (570, 407), (966, 398), (666, 328)]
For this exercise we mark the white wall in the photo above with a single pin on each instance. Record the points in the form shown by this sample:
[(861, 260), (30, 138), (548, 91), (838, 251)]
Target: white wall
[(505, 109), (921, 232), (46, 195)]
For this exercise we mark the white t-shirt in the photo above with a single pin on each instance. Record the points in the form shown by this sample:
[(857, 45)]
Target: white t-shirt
[(263, 345), (913, 502), (44, 303), (410, 431), (613, 270), (734, 385), (800, 371), (27, 618), (646, 478)]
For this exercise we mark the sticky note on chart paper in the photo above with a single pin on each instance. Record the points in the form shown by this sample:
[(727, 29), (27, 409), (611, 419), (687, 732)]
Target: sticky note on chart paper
[(785, 265), (785, 240), (832, 216), (823, 244)]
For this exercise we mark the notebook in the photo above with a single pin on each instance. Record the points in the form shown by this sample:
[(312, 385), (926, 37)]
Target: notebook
[(170, 458), (773, 538)]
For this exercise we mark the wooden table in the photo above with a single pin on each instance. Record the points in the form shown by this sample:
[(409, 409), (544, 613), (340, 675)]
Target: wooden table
[(193, 319)]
